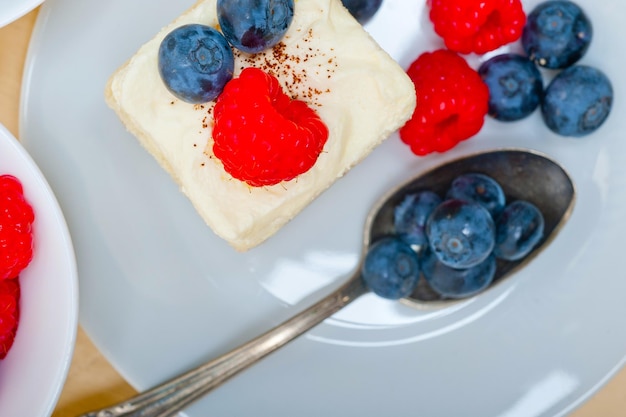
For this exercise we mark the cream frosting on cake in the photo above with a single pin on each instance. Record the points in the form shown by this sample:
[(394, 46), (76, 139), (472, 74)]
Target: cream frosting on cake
[(326, 59)]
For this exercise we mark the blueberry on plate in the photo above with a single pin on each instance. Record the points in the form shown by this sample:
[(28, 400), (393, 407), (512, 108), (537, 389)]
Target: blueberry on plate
[(557, 34), (254, 25), (391, 268), (457, 283), (577, 101), (410, 217), (479, 188), (461, 233), (518, 230), (195, 63), (515, 86), (362, 10)]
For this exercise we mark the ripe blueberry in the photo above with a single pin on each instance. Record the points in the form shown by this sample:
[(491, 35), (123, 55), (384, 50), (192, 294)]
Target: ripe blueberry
[(461, 233), (362, 10), (254, 25), (195, 63), (391, 268), (479, 188), (577, 101), (557, 34), (515, 86), (457, 283), (410, 217), (518, 230)]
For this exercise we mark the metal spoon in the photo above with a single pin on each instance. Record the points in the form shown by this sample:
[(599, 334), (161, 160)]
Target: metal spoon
[(523, 174)]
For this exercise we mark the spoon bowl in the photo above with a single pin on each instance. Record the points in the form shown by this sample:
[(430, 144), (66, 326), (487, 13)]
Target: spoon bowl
[(523, 174)]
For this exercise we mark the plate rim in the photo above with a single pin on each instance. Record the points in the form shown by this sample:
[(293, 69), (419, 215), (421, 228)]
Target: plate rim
[(563, 411)]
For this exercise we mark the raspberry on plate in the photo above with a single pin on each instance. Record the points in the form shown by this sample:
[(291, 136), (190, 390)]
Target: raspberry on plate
[(452, 102), (261, 135), (477, 26), (9, 313), (16, 240)]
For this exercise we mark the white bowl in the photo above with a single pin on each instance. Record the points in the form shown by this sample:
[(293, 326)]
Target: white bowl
[(34, 371)]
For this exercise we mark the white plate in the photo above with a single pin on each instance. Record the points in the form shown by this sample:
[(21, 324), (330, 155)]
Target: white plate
[(160, 293), (11, 10), (33, 372)]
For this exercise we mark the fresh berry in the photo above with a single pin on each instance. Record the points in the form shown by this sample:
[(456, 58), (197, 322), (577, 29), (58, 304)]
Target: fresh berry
[(577, 101), (261, 135), (391, 268), (16, 219), (452, 101), (410, 217), (557, 34), (457, 283), (461, 233), (479, 188), (518, 230), (254, 25), (9, 313), (515, 86), (362, 10), (477, 26), (195, 62)]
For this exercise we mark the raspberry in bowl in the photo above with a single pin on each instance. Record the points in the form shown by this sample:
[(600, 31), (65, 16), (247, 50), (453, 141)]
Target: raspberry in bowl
[(42, 300)]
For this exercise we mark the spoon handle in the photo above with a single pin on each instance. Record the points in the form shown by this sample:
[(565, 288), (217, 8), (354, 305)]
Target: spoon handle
[(167, 399)]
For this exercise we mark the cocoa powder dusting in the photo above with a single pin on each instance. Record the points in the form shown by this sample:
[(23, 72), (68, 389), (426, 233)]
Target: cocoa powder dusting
[(289, 68)]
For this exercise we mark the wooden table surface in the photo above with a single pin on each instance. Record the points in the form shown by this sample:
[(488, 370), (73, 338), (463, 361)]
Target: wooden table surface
[(92, 382)]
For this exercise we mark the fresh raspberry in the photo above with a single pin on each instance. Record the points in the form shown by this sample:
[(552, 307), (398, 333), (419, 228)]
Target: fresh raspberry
[(261, 135), (477, 26), (452, 101), (9, 313), (16, 218)]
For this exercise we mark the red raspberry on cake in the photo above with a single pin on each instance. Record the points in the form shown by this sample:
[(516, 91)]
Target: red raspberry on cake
[(477, 26), (16, 218), (452, 101), (9, 313), (261, 135)]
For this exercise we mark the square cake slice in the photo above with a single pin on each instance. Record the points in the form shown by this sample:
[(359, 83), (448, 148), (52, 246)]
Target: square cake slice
[(326, 59)]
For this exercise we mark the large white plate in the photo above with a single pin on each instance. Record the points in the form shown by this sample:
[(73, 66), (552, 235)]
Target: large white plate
[(11, 10), (160, 293), (33, 372)]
